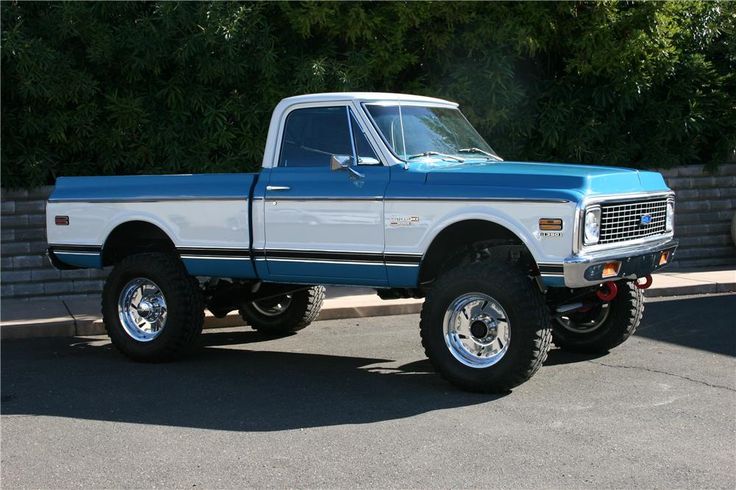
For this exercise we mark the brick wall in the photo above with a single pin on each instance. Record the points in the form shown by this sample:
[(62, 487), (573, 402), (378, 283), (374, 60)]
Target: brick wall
[(705, 207), (705, 204), (24, 270)]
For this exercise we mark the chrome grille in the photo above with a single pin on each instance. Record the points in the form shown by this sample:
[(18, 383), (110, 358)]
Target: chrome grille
[(623, 221)]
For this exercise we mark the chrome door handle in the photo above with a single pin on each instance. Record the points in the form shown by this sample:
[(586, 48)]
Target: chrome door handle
[(278, 188)]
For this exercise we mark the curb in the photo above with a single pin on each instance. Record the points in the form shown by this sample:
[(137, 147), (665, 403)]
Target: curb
[(88, 325), (41, 328), (710, 288)]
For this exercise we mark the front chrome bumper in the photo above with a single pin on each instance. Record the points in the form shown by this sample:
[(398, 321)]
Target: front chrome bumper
[(584, 270)]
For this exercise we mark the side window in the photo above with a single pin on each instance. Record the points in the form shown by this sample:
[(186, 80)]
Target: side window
[(366, 155), (313, 135)]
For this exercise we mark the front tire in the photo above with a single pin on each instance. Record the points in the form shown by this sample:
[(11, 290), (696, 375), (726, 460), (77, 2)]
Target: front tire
[(284, 314), (484, 326), (152, 309), (605, 326)]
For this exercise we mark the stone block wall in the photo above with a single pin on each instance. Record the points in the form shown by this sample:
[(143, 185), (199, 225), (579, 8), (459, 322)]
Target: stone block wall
[(705, 207), (25, 272)]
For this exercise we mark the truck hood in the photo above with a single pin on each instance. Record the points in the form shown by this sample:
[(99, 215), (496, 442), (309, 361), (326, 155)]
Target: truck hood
[(523, 177)]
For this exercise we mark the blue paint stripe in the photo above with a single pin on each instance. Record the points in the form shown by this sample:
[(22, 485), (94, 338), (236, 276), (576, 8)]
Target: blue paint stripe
[(328, 273), (553, 281), (534, 180), (80, 259), (403, 276), (153, 187), (237, 269)]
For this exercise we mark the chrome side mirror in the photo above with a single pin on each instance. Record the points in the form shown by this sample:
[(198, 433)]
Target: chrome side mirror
[(342, 162), (339, 162)]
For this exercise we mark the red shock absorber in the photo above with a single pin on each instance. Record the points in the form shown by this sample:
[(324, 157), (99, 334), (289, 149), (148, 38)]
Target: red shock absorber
[(607, 292)]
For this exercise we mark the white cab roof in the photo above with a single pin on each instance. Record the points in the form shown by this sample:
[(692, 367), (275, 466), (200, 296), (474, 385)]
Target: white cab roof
[(364, 97), (270, 154)]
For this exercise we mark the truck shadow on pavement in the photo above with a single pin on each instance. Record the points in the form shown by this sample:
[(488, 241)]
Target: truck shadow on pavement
[(252, 389), (218, 388)]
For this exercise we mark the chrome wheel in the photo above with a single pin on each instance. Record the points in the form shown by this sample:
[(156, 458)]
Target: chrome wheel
[(273, 306), (585, 322), (142, 309), (477, 330)]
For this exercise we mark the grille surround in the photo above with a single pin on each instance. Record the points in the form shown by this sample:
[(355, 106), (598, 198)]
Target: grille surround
[(622, 221)]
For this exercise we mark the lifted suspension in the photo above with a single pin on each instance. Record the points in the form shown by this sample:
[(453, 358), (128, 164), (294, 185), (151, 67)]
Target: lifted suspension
[(588, 298)]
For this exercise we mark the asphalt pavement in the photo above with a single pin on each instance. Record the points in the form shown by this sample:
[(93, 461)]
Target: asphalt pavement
[(354, 403)]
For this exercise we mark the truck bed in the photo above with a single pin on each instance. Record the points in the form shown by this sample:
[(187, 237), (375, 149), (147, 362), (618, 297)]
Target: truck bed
[(206, 217)]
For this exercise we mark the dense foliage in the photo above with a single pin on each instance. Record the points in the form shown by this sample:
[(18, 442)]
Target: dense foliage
[(117, 88)]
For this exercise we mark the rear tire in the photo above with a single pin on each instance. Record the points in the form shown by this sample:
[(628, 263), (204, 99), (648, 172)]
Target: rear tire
[(613, 327), (285, 314), (485, 326), (152, 308)]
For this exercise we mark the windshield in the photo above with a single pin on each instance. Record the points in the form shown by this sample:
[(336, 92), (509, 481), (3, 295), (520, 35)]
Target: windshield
[(429, 132)]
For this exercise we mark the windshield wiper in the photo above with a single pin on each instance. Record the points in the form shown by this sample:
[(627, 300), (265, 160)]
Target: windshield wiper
[(483, 152), (434, 154)]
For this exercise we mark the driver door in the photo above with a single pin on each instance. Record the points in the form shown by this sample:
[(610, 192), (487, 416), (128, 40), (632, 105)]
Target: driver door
[(325, 225)]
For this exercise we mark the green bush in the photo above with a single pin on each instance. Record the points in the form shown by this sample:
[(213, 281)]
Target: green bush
[(128, 88)]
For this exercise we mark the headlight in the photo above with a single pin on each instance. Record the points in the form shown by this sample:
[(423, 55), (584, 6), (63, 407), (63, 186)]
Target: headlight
[(669, 221), (592, 226)]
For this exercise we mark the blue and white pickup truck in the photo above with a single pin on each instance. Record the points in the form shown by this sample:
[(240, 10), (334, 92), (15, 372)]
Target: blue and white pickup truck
[(394, 192)]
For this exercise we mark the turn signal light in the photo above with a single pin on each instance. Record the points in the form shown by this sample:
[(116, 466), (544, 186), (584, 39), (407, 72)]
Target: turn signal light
[(550, 224), (61, 220), (610, 269), (664, 257)]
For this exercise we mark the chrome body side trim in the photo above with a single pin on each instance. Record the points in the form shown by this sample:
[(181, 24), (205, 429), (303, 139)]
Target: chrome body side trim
[(325, 198), (479, 199), (148, 199), (421, 199), (325, 261), (216, 257)]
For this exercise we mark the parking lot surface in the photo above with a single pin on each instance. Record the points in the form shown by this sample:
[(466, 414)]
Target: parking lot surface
[(354, 403)]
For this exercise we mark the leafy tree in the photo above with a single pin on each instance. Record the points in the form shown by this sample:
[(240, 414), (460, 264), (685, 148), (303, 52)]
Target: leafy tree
[(121, 88)]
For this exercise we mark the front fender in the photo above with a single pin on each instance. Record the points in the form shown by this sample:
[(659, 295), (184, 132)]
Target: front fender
[(427, 219)]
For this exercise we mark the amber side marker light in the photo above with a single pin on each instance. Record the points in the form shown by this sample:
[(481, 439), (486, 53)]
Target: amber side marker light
[(664, 257), (61, 220), (610, 269), (550, 224)]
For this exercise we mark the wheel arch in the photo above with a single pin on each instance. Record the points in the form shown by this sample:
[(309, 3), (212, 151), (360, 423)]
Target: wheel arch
[(456, 236), (132, 237)]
